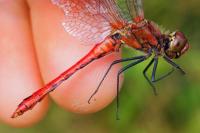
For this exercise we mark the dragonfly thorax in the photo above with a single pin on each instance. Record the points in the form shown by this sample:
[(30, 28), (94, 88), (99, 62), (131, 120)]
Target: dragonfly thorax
[(141, 36), (146, 35)]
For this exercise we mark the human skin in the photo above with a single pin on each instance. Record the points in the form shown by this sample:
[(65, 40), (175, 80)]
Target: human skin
[(34, 49)]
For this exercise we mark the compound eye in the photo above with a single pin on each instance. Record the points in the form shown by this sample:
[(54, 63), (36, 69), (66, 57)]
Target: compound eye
[(178, 45), (178, 42)]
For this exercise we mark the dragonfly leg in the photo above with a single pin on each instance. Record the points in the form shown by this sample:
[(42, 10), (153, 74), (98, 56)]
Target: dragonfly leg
[(153, 77), (164, 76), (146, 77), (174, 64), (109, 68), (118, 79)]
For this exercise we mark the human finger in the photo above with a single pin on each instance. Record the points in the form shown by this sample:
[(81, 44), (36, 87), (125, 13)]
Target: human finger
[(19, 71)]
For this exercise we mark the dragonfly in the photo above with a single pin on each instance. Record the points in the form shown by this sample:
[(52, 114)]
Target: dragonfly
[(102, 24)]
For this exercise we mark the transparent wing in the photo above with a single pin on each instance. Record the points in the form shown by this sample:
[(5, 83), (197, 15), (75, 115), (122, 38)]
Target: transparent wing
[(90, 20), (135, 8)]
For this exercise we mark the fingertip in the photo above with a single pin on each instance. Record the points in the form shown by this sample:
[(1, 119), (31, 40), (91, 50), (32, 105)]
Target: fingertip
[(19, 71), (19, 78), (28, 119)]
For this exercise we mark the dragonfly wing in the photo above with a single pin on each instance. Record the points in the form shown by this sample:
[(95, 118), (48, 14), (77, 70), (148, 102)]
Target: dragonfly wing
[(135, 8), (90, 20)]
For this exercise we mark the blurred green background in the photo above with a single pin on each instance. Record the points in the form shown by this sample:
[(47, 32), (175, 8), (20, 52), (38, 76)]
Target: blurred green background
[(175, 109)]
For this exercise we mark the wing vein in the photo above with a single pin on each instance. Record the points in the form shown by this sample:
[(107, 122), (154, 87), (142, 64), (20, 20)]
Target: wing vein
[(90, 20)]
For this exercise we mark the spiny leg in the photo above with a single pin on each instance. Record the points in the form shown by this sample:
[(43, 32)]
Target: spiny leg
[(113, 63), (174, 64), (146, 77), (118, 79), (164, 76), (153, 76)]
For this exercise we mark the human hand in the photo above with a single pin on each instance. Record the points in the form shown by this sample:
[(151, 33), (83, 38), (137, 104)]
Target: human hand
[(34, 48)]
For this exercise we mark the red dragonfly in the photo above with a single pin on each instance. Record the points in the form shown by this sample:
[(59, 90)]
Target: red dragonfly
[(100, 22)]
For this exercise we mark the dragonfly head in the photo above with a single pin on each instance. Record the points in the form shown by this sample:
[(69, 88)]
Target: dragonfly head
[(176, 45)]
